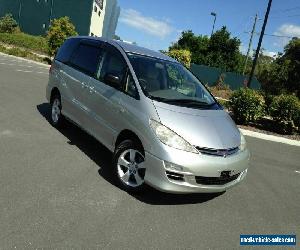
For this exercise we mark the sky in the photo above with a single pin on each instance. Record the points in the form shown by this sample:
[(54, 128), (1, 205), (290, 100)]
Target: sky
[(156, 24)]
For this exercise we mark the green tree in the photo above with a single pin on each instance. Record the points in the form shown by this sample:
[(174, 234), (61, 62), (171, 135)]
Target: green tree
[(8, 24), (223, 51), (283, 74), (291, 56), (197, 45), (59, 31), (220, 50), (263, 62), (181, 55)]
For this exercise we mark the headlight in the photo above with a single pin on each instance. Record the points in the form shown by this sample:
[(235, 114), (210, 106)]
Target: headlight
[(242, 147), (170, 138)]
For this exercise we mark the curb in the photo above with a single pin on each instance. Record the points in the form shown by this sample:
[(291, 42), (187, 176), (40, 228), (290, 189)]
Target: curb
[(24, 59), (273, 138)]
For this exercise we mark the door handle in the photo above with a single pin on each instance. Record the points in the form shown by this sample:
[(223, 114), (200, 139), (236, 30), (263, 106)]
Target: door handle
[(92, 90), (121, 108), (83, 85)]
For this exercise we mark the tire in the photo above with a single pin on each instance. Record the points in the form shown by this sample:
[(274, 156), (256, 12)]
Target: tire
[(129, 168), (56, 118)]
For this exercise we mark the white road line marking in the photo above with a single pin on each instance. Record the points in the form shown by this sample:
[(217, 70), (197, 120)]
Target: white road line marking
[(25, 71), (9, 64), (297, 171), (29, 71)]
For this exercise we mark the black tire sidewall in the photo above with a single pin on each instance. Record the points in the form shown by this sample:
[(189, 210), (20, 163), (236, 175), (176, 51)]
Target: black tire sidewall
[(127, 144), (59, 123)]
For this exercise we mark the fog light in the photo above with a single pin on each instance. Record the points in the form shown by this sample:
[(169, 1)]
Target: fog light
[(172, 166)]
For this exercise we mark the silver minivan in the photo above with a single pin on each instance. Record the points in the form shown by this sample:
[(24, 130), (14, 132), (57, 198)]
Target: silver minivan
[(163, 126)]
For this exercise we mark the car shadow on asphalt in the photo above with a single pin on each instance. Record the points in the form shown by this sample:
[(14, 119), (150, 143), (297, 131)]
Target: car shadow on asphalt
[(103, 158)]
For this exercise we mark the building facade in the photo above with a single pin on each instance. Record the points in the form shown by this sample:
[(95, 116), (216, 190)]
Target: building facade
[(90, 17), (112, 11)]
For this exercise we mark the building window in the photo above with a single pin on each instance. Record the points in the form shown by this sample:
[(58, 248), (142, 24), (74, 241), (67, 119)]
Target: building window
[(99, 13), (100, 3), (95, 9), (44, 26)]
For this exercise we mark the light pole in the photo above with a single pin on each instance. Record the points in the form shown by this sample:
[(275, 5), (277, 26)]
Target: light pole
[(19, 14), (215, 15), (259, 42), (51, 12)]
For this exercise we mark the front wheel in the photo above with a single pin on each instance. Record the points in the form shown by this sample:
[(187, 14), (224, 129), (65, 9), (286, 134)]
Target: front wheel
[(129, 167)]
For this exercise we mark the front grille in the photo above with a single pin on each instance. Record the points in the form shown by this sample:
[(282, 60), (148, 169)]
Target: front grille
[(174, 176), (218, 152), (215, 180)]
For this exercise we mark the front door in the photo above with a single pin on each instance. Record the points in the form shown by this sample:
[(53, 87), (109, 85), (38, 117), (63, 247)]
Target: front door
[(105, 100)]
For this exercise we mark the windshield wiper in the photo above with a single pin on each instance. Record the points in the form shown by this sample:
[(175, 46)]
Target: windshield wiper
[(188, 102)]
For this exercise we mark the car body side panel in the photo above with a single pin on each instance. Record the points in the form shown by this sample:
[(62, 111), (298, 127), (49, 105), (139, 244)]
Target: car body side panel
[(76, 94)]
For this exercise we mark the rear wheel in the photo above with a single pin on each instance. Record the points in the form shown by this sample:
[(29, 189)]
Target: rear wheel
[(129, 166), (56, 117)]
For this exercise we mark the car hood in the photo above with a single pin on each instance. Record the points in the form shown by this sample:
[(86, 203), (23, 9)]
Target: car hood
[(204, 128)]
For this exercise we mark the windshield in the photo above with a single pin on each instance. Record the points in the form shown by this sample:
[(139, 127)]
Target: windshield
[(169, 82)]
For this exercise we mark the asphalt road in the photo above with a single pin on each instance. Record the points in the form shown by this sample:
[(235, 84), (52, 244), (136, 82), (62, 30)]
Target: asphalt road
[(56, 189)]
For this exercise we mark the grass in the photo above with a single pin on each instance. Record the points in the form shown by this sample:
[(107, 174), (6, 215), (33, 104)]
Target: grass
[(35, 43), (22, 53)]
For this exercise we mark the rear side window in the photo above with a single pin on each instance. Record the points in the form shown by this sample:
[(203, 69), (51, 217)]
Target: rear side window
[(64, 53), (86, 59)]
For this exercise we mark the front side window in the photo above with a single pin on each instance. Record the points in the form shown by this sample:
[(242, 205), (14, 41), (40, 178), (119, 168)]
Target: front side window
[(113, 64), (170, 82), (86, 58)]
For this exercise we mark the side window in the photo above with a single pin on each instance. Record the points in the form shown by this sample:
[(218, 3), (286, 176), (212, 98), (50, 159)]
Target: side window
[(113, 64), (64, 53), (86, 58)]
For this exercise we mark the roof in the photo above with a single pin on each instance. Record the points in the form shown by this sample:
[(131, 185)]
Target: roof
[(132, 48)]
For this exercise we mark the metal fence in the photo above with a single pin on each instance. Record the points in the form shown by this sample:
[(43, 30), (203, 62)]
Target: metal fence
[(210, 76)]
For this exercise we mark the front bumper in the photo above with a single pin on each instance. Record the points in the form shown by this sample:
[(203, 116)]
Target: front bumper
[(195, 167)]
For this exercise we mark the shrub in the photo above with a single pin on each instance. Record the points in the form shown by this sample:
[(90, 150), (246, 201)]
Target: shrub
[(35, 43), (247, 105), (8, 24), (59, 31), (181, 55), (297, 119), (224, 103), (285, 110), (268, 101)]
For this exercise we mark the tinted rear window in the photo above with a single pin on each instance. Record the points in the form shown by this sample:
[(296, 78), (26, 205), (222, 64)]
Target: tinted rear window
[(66, 50), (86, 58)]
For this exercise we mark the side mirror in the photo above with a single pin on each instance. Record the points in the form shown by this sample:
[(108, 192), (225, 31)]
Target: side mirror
[(112, 80)]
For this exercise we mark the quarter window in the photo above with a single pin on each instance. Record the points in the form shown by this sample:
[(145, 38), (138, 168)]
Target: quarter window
[(130, 87), (86, 59)]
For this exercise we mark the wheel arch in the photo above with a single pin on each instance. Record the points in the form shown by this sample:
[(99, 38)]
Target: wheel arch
[(54, 91), (127, 134)]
